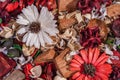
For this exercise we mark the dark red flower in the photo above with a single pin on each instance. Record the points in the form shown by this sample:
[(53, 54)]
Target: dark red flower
[(90, 37), (115, 75), (115, 61), (49, 71), (50, 4), (116, 27), (24, 3), (87, 5)]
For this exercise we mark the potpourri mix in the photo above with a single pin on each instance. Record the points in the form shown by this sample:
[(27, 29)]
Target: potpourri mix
[(59, 39)]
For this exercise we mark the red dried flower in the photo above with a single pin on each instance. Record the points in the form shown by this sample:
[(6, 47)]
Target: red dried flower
[(116, 27), (12, 6), (115, 75), (50, 4), (114, 61), (24, 3), (90, 37), (87, 5), (90, 65)]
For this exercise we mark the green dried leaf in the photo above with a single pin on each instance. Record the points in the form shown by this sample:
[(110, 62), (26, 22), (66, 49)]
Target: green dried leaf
[(17, 46)]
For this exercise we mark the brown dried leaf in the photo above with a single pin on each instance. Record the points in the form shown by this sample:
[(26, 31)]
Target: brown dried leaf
[(113, 10), (67, 5), (62, 64), (45, 56), (66, 23)]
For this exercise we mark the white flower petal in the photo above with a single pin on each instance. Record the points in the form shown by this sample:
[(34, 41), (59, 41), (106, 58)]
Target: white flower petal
[(29, 14), (22, 20), (47, 38), (42, 42), (22, 30), (51, 31), (34, 39), (36, 13), (45, 16), (25, 37), (30, 37), (37, 43)]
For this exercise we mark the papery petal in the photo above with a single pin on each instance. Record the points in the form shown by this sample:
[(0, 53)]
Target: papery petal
[(29, 39), (100, 59), (37, 43), (78, 58), (25, 37), (47, 38), (22, 30), (76, 75), (28, 12), (41, 39), (22, 20), (91, 54), (84, 55), (34, 39), (81, 77), (102, 76), (96, 55)]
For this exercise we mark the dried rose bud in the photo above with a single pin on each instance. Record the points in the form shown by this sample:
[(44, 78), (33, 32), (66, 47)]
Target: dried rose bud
[(116, 27)]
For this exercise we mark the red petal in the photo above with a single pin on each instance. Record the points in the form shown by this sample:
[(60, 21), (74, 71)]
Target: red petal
[(75, 65), (75, 61), (84, 55), (76, 75), (91, 53), (12, 6), (81, 77), (74, 68), (96, 55), (102, 76), (78, 58), (105, 68), (100, 59)]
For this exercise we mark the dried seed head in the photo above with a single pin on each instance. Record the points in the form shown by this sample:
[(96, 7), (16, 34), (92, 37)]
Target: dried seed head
[(89, 69), (34, 27)]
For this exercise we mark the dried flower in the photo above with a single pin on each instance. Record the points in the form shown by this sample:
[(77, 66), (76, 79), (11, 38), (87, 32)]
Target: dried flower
[(86, 6), (116, 27), (90, 65), (90, 37), (37, 28)]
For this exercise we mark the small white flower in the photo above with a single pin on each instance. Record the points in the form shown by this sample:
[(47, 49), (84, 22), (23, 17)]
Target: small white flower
[(37, 28)]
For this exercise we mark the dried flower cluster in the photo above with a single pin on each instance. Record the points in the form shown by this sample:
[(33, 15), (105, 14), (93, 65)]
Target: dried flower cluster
[(59, 40)]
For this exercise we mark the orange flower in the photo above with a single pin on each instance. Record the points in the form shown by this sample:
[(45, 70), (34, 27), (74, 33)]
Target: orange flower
[(90, 65)]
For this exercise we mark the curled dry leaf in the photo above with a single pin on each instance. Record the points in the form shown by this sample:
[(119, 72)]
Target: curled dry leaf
[(36, 71), (45, 56), (6, 32), (67, 5), (16, 75), (59, 78), (113, 10), (63, 69), (61, 44), (81, 18), (73, 44), (102, 27), (66, 23), (70, 32), (27, 51)]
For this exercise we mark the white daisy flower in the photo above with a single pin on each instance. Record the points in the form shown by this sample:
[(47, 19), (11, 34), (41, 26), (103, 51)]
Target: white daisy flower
[(37, 28)]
